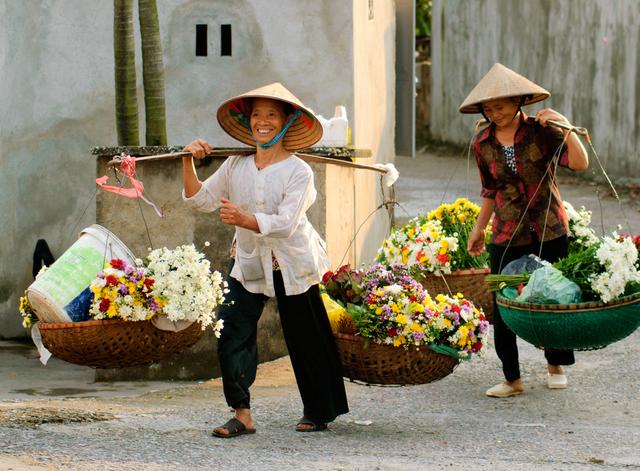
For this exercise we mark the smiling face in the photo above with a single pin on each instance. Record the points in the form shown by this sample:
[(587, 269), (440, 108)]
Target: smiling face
[(266, 119), (501, 111)]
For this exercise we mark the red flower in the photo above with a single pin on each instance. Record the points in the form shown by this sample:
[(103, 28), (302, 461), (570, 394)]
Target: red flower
[(104, 305), (117, 263), (443, 258), (326, 278), (111, 280), (148, 283), (520, 288)]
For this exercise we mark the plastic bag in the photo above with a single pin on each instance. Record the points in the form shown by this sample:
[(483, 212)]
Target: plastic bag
[(548, 285), (525, 264)]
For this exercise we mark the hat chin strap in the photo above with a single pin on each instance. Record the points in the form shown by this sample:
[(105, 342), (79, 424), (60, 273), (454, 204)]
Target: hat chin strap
[(282, 132)]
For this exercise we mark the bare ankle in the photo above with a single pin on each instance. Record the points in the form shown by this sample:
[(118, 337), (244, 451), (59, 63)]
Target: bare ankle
[(517, 384), (555, 369)]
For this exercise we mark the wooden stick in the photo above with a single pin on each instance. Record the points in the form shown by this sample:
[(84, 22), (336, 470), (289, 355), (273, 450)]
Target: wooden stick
[(250, 151), (578, 130), (568, 127)]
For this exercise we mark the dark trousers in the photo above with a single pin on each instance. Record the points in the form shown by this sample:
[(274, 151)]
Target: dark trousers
[(309, 339), (504, 339)]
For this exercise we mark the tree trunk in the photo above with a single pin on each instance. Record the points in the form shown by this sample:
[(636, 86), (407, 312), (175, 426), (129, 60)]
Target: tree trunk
[(152, 74), (125, 73)]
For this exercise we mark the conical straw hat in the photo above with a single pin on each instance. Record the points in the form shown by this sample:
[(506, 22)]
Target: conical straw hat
[(502, 82), (233, 116)]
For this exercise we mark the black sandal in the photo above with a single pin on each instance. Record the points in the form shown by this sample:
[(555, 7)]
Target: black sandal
[(314, 427), (235, 428)]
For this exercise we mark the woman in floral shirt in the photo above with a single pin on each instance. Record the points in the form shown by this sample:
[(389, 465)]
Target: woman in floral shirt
[(276, 252), (516, 157)]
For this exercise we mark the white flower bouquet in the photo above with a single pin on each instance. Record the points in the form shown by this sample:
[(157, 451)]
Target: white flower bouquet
[(187, 287)]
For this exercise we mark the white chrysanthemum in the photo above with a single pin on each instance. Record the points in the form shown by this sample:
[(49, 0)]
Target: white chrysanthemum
[(579, 222), (185, 283), (618, 257)]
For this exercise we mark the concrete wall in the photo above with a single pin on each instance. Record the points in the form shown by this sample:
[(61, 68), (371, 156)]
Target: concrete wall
[(374, 95), (57, 92), (585, 52), (57, 102)]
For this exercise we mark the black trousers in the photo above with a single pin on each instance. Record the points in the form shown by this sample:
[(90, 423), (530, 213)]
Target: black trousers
[(309, 339), (505, 339)]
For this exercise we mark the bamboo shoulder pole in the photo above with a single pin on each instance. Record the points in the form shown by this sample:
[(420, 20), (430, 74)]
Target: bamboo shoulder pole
[(250, 151)]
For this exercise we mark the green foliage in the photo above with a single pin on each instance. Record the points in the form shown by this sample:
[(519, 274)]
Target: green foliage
[(423, 18), (579, 266)]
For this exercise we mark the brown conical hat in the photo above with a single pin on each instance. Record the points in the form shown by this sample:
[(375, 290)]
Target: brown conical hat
[(233, 116), (502, 82)]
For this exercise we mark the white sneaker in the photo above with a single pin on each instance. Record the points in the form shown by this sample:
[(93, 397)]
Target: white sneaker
[(556, 381), (503, 390)]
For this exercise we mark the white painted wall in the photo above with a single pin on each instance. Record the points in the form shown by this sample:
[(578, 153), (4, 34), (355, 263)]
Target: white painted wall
[(374, 92), (584, 52), (57, 96)]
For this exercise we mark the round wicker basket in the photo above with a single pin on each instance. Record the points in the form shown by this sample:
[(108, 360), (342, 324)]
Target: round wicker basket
[(468, 282), (583, 326), (115, 343), (388, 365)]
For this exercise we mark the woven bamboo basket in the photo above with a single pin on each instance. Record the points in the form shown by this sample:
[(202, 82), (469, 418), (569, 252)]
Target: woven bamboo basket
[(468, 282), (582, 326), (388, 365), (115, 343)]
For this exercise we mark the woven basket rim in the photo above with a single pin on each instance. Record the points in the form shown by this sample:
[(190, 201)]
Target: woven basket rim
[(463, 272), (360, 338), (78, 325), (577, 307)]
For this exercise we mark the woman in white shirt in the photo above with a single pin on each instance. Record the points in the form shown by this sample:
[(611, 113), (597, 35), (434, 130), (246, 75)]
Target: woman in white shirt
[(276, 252)]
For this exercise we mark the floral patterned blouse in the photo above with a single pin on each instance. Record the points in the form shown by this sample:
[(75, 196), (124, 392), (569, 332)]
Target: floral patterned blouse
[(515, 178)]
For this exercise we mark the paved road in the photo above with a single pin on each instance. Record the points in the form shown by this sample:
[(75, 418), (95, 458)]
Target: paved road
[(447, 425)]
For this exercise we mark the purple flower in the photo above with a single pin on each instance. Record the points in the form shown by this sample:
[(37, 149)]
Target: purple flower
[(123, 290)]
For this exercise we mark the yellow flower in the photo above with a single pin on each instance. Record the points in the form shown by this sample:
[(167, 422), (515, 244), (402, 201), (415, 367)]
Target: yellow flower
[(447, 323), (401, 318), (399, 341), (111, 311), (417, 327), (464, 332)]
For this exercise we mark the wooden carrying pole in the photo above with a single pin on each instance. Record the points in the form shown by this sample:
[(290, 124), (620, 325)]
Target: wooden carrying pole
[(249, 151), (568, 127)]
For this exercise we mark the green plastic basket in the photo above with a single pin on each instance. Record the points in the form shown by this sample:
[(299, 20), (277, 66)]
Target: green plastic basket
[(582, 326)]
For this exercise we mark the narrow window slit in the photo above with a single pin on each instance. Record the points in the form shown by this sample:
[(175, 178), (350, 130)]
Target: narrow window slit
[(201, 40), (225, 40)]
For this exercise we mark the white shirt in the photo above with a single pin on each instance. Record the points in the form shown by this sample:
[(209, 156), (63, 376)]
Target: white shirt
[(278, 196)]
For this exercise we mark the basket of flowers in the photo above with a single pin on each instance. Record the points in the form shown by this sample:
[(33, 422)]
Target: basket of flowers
[(585, 301), (435, 249), (140, 313), (397, 334)]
